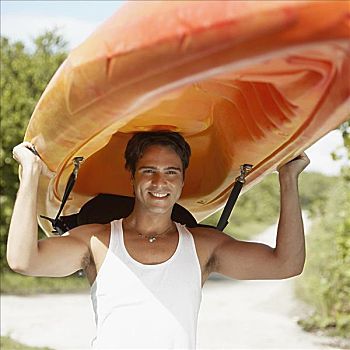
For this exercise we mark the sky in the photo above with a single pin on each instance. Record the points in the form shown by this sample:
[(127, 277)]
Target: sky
[(76, 20)]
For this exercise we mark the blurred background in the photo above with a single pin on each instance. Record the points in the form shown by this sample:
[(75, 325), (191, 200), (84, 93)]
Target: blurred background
[(35, 39)]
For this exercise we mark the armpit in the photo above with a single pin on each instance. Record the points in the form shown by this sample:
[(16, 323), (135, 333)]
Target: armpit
[(86, 260)]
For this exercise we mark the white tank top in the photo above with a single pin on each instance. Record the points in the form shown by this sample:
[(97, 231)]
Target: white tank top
[(147, 306)]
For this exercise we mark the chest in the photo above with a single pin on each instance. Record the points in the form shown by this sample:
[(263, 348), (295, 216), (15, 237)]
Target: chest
[(138, 248), (144, 252), (150, 253)]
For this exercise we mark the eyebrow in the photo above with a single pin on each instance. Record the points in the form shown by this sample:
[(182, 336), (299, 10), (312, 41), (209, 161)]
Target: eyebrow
[(155, 168)]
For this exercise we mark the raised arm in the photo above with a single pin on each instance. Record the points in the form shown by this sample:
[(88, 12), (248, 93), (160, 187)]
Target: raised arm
[(248, 260), (56, 256), (290, 242)]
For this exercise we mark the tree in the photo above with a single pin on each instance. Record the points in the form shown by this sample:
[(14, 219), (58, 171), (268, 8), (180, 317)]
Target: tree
[(24, 76)]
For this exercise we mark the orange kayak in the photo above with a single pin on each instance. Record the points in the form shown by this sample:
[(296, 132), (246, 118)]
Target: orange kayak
[(252, 82)]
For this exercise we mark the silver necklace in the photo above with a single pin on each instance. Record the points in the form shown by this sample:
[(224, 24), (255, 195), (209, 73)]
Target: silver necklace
[(153, 238)]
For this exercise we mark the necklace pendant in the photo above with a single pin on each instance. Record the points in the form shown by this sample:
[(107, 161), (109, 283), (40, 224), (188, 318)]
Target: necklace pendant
[(151, 239)]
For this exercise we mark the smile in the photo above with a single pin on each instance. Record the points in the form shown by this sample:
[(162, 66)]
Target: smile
[(159, 195)]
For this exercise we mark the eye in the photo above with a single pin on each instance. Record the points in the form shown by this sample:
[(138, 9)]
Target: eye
[(148, 171), (171, 172)]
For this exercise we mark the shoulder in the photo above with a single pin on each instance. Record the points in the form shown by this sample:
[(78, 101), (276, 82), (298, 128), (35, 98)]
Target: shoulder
[(85, 233), (209, 236), (90, 236), (207, 240)]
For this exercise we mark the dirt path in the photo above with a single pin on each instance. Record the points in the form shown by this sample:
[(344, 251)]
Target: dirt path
[(233, 315), (252, 315)]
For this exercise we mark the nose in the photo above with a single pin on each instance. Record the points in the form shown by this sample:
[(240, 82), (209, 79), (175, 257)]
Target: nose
[(158, 179)]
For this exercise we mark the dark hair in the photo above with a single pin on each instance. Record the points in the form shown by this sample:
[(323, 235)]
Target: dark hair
[(142, 140)]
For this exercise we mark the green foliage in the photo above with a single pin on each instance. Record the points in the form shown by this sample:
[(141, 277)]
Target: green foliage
[(254, 210), (315, 189), (6, 343), (24, 76), (345, 130), (258, 208), (325, 283), (13, 283)]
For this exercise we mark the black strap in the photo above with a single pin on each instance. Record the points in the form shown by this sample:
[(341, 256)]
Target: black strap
[(239, 182), (58, 225), (106, 207)]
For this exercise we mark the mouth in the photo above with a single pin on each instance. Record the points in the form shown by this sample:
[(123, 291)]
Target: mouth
[(159, 195)]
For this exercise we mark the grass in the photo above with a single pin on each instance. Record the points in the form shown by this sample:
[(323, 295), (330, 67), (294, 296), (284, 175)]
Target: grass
[(16, 284), (6, 343)]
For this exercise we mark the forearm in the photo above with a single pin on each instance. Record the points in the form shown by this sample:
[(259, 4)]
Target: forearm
[(22, 245), (290, 243)]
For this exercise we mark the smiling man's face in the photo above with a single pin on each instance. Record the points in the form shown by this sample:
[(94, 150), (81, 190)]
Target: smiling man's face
[(158, 179)]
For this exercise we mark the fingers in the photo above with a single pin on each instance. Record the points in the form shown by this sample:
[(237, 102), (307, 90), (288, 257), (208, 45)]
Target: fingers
[(34, 151), (296, 165), (303, 157), (21, 147), (24, 144), (26, 155)]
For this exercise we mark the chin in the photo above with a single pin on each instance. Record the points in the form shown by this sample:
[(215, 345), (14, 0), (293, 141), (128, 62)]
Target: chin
[(160, 210)]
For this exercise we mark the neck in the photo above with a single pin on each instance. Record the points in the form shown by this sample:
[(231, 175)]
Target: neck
[(147, 222)]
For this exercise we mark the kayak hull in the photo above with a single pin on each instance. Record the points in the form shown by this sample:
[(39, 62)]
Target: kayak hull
[(243, 82)]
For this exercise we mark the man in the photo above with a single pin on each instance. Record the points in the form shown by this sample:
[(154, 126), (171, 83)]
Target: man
[(146, 271)]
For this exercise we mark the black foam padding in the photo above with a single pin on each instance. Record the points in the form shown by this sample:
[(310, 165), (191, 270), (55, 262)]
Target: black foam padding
[(105, 208)]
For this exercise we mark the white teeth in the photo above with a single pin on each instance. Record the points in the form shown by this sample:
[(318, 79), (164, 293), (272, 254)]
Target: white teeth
[(159, 195)]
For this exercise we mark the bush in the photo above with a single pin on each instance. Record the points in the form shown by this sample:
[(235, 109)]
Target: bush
[(14, 283), (254, 210), (325, 283), (24, 76), (6, 343), (258, 208)]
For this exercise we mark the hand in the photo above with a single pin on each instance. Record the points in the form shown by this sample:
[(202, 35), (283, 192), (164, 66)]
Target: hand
[(295, 166), (24, 155)]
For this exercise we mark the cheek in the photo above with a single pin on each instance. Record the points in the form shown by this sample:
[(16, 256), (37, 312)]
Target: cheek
[(178, 184), (141, 185)]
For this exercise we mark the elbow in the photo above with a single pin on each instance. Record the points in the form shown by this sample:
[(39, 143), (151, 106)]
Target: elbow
[(22, 270), (299, 270), (293, 272), (291, 266), (18, 269), (18, 266)]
